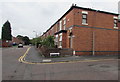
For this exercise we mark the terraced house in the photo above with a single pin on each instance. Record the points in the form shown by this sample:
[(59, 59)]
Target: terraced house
[(86, 31)]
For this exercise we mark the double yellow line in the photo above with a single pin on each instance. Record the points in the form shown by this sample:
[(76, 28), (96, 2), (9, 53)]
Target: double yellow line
[(22, 59)]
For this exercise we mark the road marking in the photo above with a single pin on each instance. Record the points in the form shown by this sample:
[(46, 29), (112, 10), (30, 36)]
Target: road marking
[(26, 62), (22, 59)]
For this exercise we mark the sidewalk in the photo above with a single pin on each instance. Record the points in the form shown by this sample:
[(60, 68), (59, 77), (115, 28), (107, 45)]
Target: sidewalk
[(35, 57)]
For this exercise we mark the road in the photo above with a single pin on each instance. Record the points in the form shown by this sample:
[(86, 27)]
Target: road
[(12, 69)]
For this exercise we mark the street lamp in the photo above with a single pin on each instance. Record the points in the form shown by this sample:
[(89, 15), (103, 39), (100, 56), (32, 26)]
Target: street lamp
[(35, 37), (35, 34)]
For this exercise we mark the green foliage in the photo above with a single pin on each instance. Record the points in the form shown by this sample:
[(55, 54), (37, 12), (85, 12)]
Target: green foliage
[(20, 37), (6, 31), (36, 40), (48, 42), (26, 40)]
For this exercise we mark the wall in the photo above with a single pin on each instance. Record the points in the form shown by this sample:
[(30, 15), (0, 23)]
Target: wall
[(102, 24), (94, 19)]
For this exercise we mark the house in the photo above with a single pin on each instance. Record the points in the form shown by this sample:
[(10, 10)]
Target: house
[(6, 43), (87, 31), (16, 40)]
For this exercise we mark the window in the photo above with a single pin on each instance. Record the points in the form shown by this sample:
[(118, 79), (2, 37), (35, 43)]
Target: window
[(64, 23), (84, 18), (57, 26), (56, 40), (60, 25), (60, 44), (115, 23), (60, 41)]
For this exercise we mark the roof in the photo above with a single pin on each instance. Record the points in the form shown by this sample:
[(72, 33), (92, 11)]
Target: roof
[(77, 7)]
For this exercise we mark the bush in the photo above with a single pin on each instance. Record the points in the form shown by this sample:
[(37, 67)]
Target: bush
[(47, 42)]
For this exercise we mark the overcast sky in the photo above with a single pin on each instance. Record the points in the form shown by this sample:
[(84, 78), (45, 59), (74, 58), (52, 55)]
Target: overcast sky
[(38, 15)]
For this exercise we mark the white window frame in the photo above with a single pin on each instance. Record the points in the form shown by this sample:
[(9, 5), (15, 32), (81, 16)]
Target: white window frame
[(56, 39), (84, 19), (85, 13), (115, 18), (60, 40), (60, 25), (64, 23)]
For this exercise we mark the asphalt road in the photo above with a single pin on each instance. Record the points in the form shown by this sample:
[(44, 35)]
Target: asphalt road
[(12, 69)]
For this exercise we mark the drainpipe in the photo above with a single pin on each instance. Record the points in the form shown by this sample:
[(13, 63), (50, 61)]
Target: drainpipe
[(93, 51), (93, 33)]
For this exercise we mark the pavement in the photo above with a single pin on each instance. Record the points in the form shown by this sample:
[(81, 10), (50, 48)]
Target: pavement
[(34, 56)]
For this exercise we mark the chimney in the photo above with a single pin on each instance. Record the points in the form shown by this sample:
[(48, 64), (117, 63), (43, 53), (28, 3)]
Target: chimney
[(72, 4), (75, 4)]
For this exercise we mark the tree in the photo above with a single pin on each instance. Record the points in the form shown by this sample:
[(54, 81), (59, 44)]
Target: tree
[(48, 42), (20, 37), (36, 41), (26, 40), (6, 31)]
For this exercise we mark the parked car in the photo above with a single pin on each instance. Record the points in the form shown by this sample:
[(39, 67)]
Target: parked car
[(20, 45)]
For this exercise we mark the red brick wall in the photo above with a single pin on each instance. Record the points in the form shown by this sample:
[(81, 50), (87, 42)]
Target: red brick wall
[(105, 40), (17, 40), (94, 19), (64, 35), (83, 39)]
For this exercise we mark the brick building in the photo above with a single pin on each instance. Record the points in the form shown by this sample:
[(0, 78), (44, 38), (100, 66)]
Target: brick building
[(86, 31), (16, 40)]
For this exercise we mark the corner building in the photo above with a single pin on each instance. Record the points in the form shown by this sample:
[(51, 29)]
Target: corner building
[(86, 31)]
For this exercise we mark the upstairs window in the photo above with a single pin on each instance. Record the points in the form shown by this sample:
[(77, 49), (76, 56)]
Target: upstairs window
[(60, 25), (115, 22), (64, 23), (84, 17)]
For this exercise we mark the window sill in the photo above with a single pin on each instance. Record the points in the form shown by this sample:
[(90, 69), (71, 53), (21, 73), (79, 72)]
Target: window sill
[(84, 24), (116, 27), (60, 47)]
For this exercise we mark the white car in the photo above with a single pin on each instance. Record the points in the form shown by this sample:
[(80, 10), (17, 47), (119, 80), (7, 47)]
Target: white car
[(20, 45)]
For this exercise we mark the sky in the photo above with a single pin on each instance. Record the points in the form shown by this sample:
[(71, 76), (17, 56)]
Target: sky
[(28, 17)]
